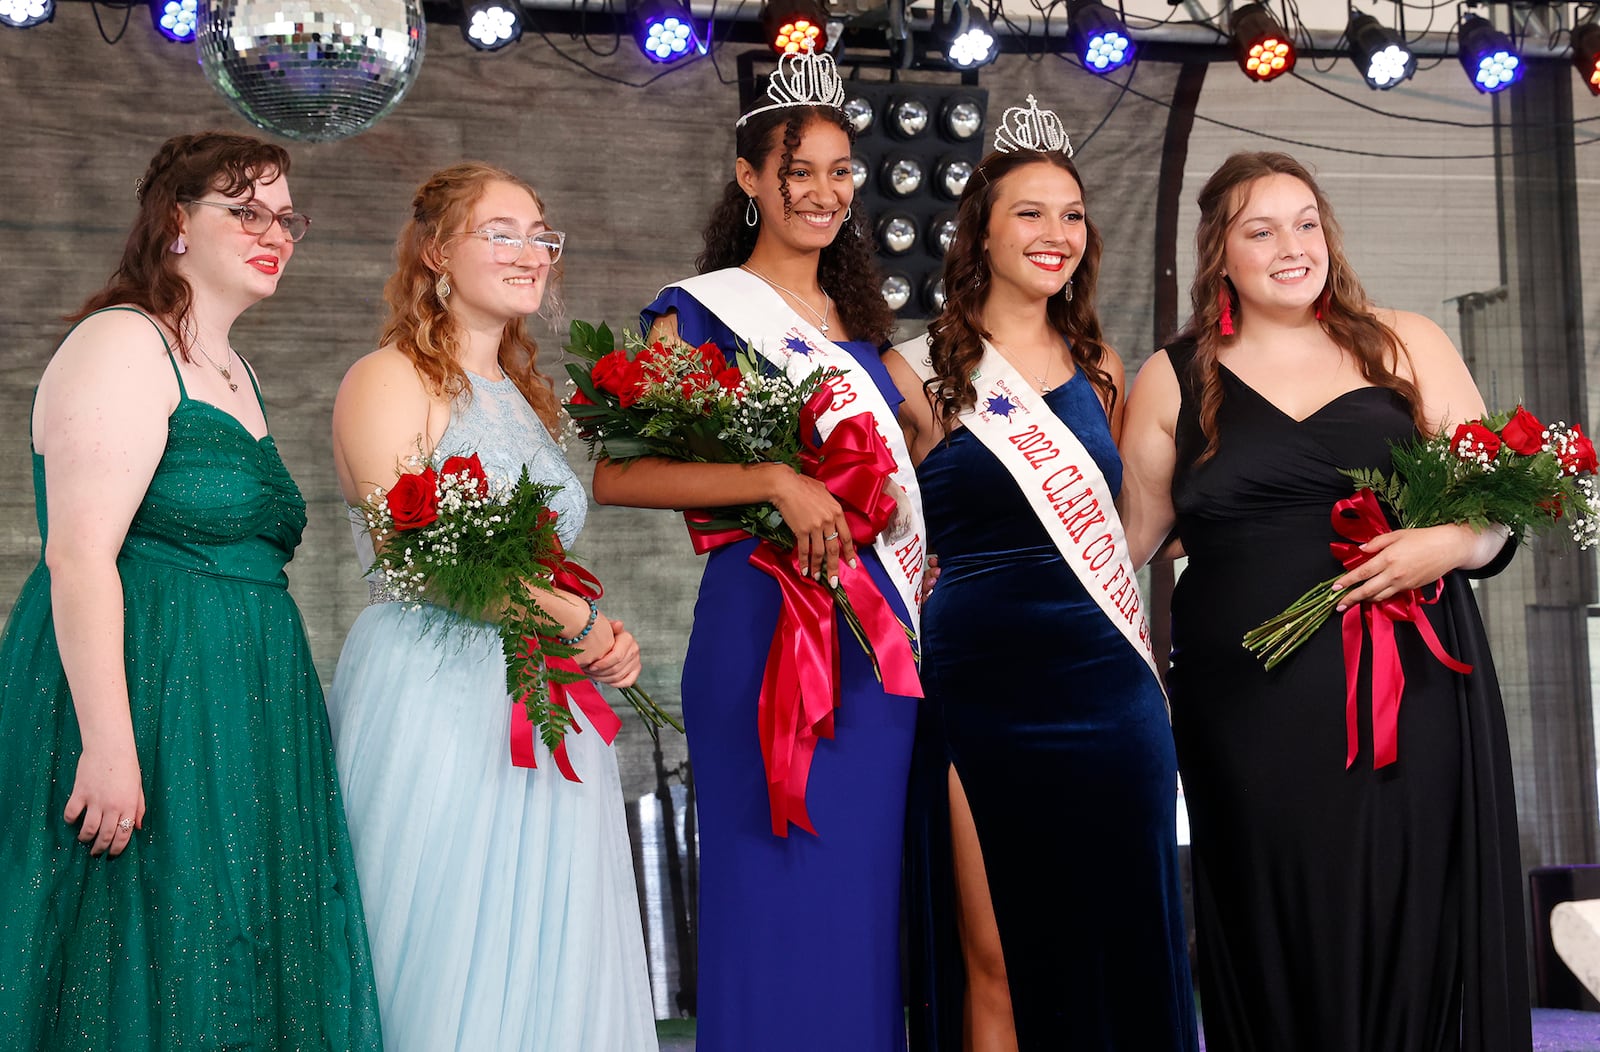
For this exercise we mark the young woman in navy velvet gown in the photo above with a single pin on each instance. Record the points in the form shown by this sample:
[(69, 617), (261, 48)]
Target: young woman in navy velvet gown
[(1047, 911), (799, 931)]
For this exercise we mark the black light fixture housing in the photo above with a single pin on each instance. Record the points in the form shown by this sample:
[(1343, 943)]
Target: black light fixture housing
[(1260, 45), (1380, 53), (1586, 55)]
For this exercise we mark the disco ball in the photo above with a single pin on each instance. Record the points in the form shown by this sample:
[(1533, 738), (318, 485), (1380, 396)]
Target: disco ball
[(313, 70)]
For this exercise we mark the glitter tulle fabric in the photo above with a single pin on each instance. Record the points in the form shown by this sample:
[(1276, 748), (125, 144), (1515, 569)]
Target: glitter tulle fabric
[(233, 918), (501, 899)]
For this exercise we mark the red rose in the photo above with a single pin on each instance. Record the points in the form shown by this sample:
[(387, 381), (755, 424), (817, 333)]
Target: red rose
[(1577, 454), (615, 374), (1523, 433), (413, 502), (711, 354), (1473, 441), (579, 398), (730, 378), (652, 360), (472, 467)]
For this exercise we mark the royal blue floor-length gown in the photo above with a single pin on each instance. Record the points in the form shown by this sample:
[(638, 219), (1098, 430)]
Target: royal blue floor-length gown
[(799, 945)]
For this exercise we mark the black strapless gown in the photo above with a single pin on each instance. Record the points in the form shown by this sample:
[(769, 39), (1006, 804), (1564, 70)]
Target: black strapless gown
[(1338, 910), (1059, 732)]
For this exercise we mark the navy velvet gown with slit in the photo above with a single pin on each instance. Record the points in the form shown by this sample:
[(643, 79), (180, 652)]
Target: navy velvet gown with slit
[(799, 941), (1059, 733), (1337, 909)]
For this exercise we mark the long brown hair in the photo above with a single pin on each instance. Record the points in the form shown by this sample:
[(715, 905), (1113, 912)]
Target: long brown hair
[(1346, 313), (957, 334), (846, 269), (419, 324), (185, 168)]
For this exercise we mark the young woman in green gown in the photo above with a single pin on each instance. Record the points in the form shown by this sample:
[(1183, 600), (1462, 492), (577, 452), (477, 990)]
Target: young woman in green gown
[(176, 866)]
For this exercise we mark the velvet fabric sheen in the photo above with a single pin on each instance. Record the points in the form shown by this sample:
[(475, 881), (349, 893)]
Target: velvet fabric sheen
[(1059, 733)]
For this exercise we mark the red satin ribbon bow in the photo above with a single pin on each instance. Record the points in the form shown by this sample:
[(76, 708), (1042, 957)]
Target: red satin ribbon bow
[(1359, 519), (571, 577), (799, 689)]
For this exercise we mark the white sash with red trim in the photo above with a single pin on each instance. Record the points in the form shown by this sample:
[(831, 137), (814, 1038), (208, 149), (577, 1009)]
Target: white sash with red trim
[(758, 315), (1062, 483)]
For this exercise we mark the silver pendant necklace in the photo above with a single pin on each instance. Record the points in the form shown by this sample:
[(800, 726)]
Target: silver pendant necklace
[(827, 301), (227, 372)]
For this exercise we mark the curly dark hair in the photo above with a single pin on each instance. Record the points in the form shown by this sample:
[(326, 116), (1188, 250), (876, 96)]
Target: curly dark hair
[(1345, 312), (846, 269), (183, 169), (957, 334)]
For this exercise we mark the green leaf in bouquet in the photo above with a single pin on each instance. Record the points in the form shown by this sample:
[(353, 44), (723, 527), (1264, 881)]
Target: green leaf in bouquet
[(580, 377), (626, 447)]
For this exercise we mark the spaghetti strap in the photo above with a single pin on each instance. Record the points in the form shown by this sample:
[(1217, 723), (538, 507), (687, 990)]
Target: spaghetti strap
[(262, 402), (183, 392)]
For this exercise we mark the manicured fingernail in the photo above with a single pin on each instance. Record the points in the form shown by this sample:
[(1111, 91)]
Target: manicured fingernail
[(852, 564), (833, 582)]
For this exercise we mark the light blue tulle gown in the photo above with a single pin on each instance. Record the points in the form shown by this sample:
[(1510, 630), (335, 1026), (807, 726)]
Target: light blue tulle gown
[(500, 901)]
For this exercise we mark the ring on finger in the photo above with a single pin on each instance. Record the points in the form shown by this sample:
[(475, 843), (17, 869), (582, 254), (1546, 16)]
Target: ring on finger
[(832, 536), (126, 825)]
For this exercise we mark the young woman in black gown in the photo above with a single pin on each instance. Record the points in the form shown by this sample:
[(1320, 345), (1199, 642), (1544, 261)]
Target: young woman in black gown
[(1339, 907)]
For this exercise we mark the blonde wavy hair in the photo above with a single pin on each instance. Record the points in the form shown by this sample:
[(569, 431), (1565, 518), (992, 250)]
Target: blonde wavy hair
[(419, 323)]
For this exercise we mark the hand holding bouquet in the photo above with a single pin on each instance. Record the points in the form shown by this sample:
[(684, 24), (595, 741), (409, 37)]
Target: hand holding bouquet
[(445, 537), (1505, 470)]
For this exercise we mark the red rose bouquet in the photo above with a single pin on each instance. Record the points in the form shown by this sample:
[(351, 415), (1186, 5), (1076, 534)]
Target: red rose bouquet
[(1506, 469), (447, 538)]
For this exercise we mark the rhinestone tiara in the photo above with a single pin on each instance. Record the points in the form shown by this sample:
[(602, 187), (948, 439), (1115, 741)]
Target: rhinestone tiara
[(1031, 129), (803, 78)]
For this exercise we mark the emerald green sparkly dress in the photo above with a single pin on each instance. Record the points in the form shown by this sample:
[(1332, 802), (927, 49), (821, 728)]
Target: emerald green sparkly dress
[(232, 920)]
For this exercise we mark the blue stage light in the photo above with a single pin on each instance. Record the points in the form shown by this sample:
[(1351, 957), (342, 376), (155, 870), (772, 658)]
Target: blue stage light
[(665, 30), (175, 19), (1488, 56), (1099, 37), (25, 14)]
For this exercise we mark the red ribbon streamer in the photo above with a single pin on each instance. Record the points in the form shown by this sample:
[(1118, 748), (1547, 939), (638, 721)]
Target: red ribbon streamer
[(1359, 519), (799, 689), (570, 577)]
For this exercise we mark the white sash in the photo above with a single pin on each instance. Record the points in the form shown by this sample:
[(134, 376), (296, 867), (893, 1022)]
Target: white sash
[(758, 315), (1061, 481)]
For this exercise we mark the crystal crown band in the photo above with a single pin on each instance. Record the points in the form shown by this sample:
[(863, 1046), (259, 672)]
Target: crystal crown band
[(802, 79), (1031, 129)]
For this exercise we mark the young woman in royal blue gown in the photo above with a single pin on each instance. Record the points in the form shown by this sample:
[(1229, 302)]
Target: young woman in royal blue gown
[(502, 903), (799, 932), (1338, 904), (1046, 906)]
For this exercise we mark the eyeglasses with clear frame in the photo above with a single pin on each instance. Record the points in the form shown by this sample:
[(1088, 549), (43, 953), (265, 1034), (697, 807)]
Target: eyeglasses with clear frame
[(256, 220), (506, 247)]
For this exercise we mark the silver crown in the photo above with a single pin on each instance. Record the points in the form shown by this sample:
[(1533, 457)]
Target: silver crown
[(804, 78), (1031, 129)]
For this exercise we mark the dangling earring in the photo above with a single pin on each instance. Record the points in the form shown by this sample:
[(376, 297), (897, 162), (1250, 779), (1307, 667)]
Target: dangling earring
[(179, 246), (751, 216), (441, 288), (847, 209), (1322, 301), (1226, 302), (1066, 291)]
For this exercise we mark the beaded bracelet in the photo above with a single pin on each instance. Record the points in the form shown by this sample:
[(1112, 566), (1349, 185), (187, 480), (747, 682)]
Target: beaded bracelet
[(594, 615)]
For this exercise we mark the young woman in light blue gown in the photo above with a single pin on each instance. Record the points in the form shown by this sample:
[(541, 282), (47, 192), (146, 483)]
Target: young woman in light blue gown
[(500, 899)]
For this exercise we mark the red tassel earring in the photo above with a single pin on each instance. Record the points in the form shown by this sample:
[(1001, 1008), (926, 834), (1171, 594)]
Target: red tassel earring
[(1322, 301), (1226, 302)]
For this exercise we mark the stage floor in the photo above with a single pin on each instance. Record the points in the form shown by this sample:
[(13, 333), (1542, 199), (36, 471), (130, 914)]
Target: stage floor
[(1554, 1030)]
